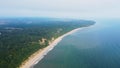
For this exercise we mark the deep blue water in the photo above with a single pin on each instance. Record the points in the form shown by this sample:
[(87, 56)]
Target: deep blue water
[(97, 46)]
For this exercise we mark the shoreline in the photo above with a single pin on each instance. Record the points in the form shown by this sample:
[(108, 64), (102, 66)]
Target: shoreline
[(39, 55)]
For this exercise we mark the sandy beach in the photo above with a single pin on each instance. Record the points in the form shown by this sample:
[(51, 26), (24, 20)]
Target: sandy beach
[(37, 56)]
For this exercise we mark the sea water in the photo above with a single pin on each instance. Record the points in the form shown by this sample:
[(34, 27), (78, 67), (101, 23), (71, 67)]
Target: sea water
[(97, 46)]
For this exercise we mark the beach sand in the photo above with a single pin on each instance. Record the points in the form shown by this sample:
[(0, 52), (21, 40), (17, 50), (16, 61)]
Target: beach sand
[(37, 56)]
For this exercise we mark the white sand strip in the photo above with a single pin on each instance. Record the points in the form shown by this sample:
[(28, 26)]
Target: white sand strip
[(37, 56)]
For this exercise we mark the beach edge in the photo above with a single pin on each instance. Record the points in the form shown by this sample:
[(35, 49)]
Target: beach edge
[(39, 55)]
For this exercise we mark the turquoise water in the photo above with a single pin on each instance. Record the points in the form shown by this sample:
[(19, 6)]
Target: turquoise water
[(97, 46)]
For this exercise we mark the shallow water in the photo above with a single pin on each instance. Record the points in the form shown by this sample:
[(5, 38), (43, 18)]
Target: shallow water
[(95, 47)]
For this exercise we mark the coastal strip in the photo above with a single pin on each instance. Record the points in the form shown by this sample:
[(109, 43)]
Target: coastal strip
[(37, 56)]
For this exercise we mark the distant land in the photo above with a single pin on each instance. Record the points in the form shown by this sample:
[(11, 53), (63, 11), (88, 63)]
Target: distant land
[(21, 37)]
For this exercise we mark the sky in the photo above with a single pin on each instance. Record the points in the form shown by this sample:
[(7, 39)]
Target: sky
[(60, 8)]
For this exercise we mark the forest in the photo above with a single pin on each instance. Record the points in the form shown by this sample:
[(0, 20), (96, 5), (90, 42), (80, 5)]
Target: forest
[(20, 37)]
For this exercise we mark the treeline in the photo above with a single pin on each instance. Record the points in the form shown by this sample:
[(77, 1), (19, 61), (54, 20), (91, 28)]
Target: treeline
[(19, 38)]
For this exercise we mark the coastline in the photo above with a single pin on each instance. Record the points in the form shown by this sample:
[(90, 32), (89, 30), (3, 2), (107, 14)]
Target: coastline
[(37, 56)]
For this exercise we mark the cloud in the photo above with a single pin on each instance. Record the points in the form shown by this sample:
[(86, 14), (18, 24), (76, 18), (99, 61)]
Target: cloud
[(78, 8)]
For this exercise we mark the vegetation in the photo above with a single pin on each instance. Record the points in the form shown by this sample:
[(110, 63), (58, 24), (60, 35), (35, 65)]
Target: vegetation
[(20, 37)]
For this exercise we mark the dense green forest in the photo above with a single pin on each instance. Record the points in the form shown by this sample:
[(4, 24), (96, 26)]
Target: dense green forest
[(20, 37)]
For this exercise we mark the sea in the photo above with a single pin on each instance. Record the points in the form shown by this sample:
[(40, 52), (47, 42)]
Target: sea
[(96, 46)]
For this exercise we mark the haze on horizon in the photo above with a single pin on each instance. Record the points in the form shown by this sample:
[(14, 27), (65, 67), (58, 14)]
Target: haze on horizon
[(60, 8)]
